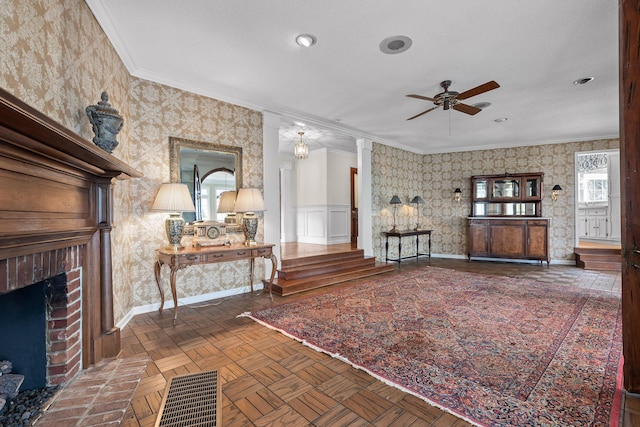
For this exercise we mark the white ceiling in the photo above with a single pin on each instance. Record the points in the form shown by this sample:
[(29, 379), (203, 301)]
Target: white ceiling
[(344, 87)]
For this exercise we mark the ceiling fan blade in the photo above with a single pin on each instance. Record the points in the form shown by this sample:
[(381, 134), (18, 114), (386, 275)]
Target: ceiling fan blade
[(426, 98), (468, 109), (424, 112), (478, 90)]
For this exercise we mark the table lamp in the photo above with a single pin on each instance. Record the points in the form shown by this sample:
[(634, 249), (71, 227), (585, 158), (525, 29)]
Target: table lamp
[(395, 201), (174, 198), (418, 201), (249, 201), (227, 204)]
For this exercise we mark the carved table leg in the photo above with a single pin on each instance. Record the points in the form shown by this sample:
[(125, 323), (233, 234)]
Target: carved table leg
[(174, 270), (274, 265), (158, 269), (251, 275)]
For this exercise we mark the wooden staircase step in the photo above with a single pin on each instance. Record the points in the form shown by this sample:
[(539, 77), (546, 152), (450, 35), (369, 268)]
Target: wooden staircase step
[(609, 258), (316, 268), (289, 287), (335, 256), (600, 265), (600, 259)]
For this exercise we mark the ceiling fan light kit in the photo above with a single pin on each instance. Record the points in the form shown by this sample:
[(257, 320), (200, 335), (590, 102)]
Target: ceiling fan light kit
[(451, 99)]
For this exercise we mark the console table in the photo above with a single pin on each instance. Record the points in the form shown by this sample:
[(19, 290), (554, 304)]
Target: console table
[(400, 235), (185, 257)]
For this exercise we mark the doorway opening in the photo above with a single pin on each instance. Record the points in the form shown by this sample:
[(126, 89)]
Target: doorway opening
[(597, 198)]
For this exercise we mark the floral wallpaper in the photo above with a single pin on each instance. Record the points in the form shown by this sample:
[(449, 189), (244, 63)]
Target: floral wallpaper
[(55, 57), (158, 112), (435, 176)]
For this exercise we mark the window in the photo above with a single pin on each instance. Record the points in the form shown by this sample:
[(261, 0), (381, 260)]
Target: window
[(594, 187)]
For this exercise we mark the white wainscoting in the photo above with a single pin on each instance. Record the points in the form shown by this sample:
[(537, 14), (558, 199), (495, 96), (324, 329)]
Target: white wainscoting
[(324, 225)]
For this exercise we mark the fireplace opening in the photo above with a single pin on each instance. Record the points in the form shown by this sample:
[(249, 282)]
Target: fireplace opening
[(24, 328)]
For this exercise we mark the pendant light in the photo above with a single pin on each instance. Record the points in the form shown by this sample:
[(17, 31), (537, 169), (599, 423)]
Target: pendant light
[(301, 150)]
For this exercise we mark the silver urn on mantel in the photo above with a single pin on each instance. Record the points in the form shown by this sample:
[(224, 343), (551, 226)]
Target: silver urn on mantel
[(106, 123)]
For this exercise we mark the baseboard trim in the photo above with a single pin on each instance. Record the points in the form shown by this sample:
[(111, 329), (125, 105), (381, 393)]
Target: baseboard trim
[(196, 299)]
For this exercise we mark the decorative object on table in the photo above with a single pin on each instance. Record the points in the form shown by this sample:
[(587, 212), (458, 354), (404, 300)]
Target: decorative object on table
[(175, 199), (210, 233), (301, 150), (418, 201), (226, 204), (457, 194), (555, 192), (248, 202), (395, 201), (503, 372), (106, 123)]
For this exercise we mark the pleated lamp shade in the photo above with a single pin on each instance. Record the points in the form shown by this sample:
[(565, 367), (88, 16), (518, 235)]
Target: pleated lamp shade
[(227, 202), (249, 200), (173, 197)]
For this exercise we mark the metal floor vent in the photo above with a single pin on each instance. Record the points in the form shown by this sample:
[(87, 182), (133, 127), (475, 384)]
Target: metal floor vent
[(190, 401)]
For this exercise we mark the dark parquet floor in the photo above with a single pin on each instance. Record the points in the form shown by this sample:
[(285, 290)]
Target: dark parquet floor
[(271, 380)]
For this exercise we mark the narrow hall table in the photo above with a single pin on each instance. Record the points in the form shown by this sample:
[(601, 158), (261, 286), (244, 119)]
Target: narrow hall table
[(406, 233), (188, 256)]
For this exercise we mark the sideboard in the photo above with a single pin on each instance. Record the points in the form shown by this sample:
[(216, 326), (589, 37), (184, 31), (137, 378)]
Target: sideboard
[(506, 219)]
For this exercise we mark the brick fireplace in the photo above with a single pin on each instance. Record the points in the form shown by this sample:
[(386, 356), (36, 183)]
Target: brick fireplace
[(56, 208), (62, 306)]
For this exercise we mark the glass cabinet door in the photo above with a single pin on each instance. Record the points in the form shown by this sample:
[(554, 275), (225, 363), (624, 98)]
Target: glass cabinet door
[(480, 189), (505, 188), (532, 188)]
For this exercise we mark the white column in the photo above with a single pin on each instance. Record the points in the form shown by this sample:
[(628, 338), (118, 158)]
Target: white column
[(365, 225), (270, 140), (287, 202)]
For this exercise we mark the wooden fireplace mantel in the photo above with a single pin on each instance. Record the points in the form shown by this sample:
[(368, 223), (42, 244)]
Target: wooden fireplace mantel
[(57, 193)]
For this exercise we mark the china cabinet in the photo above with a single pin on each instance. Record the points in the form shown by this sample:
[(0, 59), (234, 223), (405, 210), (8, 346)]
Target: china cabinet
[(506, 219)]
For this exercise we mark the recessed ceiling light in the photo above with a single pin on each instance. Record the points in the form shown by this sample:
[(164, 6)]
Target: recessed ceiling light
[(583, 81), (306, 40), (501, 119), (395, 44), (482, 105)]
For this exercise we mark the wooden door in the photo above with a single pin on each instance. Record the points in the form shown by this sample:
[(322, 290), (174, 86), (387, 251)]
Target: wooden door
[(508, 238), (537, 239), (478, 237), (630, 179)]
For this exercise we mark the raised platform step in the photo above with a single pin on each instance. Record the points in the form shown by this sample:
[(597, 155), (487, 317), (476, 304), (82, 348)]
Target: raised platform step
[(289, 287), (326, 257), (599, 259), (317, 268), (316, 271)]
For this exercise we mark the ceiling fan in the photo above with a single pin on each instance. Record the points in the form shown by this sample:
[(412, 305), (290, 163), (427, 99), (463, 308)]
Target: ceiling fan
[(450, 99)]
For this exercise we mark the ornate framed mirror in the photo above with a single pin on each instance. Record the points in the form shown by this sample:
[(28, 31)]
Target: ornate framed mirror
[(208, 169)]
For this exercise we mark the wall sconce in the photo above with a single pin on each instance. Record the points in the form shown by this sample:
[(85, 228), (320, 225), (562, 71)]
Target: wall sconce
[(395, 201), (174, 198), (457, 194), (418, 201), (555, 192), (249, 201)]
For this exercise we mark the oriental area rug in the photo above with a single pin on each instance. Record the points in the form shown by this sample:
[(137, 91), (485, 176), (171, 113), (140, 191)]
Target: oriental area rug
[(495, 351)]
